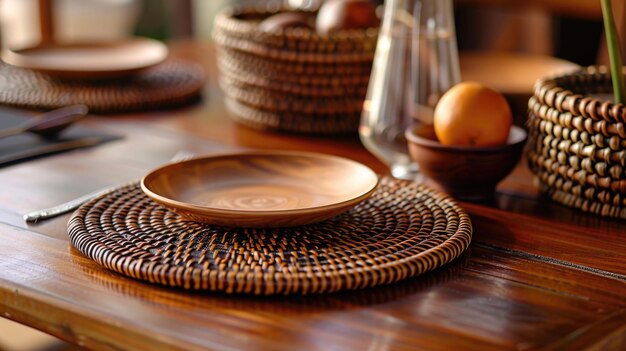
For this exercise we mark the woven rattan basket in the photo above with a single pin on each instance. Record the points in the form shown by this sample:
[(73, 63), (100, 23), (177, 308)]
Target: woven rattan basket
[(292, 80), (577, 142)]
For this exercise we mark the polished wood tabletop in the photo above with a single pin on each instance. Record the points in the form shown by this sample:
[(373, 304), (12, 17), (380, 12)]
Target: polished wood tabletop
[(536, 276)]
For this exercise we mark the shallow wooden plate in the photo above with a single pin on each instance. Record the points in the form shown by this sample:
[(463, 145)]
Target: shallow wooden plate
[(90, 60), (261, 189)]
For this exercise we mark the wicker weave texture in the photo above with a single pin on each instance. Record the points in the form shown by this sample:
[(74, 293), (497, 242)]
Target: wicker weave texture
[(298, 85), (577, 142), (237, 27), (403, 230), (268, 100), (171, 84), (293, 121), (274, 78)]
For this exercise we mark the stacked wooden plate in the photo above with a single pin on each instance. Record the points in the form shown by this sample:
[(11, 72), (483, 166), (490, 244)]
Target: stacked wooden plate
[(292, 80), (577, 142)]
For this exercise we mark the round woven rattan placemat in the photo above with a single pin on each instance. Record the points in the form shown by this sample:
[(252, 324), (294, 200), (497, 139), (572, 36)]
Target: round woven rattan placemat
[(403, 230), (170, 84)]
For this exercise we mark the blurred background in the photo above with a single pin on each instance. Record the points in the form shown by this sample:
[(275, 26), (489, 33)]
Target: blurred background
[(567, 29)]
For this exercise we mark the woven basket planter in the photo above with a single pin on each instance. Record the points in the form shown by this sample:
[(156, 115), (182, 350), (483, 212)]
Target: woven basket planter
[(577, 142), (292, 80)]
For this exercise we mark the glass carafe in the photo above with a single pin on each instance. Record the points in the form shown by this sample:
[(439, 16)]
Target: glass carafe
[(416, 61)]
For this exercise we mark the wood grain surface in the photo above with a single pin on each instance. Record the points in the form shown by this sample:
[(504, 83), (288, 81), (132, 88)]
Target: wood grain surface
[(537, 275), (261, 188)]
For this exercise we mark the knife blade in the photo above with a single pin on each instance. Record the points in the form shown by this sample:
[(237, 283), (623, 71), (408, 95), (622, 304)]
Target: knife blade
[(51, 148)]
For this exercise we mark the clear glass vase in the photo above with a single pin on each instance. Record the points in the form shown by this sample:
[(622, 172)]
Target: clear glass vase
[(416, 61)]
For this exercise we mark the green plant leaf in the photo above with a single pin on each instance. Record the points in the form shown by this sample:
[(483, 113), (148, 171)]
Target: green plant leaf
[(615, 53)]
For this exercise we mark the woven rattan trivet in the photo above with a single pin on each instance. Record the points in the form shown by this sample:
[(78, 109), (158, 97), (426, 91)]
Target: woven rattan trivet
[(170, 84), (403, 230)]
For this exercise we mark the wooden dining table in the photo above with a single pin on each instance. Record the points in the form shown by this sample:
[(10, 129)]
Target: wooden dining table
[(537, 275)]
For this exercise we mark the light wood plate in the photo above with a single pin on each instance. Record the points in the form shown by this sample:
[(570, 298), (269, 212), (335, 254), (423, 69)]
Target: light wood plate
[(261, 189), (90, 60)]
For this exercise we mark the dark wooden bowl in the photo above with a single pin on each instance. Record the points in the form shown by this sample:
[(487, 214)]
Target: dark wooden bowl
[(467, 173)]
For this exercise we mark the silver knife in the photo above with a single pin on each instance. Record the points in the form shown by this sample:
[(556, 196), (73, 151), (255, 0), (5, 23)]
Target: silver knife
[(34, 216), (51, 148)]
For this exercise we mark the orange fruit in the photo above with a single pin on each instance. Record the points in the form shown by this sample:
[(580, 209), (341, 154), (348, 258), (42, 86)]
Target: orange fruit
[(471, 114)]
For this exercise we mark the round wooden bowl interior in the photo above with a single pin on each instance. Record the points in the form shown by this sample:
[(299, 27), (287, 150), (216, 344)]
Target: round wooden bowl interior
[(261, 189)]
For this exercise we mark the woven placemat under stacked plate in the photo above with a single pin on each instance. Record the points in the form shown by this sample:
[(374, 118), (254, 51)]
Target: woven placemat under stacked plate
[(292, 80), (403, 230), (577, 142), (170, 84)]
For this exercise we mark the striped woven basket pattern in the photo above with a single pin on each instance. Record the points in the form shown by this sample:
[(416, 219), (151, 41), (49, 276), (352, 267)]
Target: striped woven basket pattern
[(292, 80), (577, 142)]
